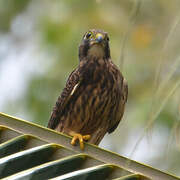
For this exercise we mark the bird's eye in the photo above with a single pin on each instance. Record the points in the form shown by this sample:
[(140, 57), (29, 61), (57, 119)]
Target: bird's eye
[(107, 38), (88, 35)]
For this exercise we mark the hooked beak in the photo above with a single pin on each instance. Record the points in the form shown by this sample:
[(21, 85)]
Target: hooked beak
[(99, 38)]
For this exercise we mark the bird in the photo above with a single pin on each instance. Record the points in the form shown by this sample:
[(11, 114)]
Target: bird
[(94, 98)]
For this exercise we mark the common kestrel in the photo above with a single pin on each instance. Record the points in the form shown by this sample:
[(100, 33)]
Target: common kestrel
[(93, 100)]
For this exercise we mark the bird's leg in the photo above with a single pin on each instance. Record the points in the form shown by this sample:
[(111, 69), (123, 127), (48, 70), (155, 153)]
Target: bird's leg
[(80, 137)]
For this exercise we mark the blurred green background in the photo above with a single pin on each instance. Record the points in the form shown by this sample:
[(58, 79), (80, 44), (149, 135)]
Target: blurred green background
[(39, 48)]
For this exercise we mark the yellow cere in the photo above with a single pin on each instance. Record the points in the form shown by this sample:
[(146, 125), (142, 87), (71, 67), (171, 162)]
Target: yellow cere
[(99, 35)]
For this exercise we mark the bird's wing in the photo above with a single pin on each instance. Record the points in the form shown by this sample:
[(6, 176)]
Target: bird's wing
[(123, 99), (71, 86)]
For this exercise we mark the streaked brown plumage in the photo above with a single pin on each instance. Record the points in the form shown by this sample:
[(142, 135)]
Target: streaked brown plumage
[(93, 101)]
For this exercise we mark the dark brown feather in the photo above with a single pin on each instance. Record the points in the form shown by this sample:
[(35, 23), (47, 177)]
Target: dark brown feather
[(63, 99), (94, 98)]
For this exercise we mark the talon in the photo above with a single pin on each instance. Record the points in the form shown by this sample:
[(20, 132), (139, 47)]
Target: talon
[(81, 138), (73, 142), (86, 137), (81, 145)]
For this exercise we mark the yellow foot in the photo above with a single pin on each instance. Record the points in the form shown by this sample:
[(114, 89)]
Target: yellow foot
[(81, 138)]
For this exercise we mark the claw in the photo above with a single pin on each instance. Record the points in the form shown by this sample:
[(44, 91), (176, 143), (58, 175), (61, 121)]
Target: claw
[(81, 138)]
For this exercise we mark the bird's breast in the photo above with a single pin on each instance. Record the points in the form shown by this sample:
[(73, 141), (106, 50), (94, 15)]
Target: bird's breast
[(93, 99)]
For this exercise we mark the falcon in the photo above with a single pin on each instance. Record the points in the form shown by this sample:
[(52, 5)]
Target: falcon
[(93, 100)]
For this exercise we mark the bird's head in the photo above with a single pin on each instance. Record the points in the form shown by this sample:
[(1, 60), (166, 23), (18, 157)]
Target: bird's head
[(95, 43)]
